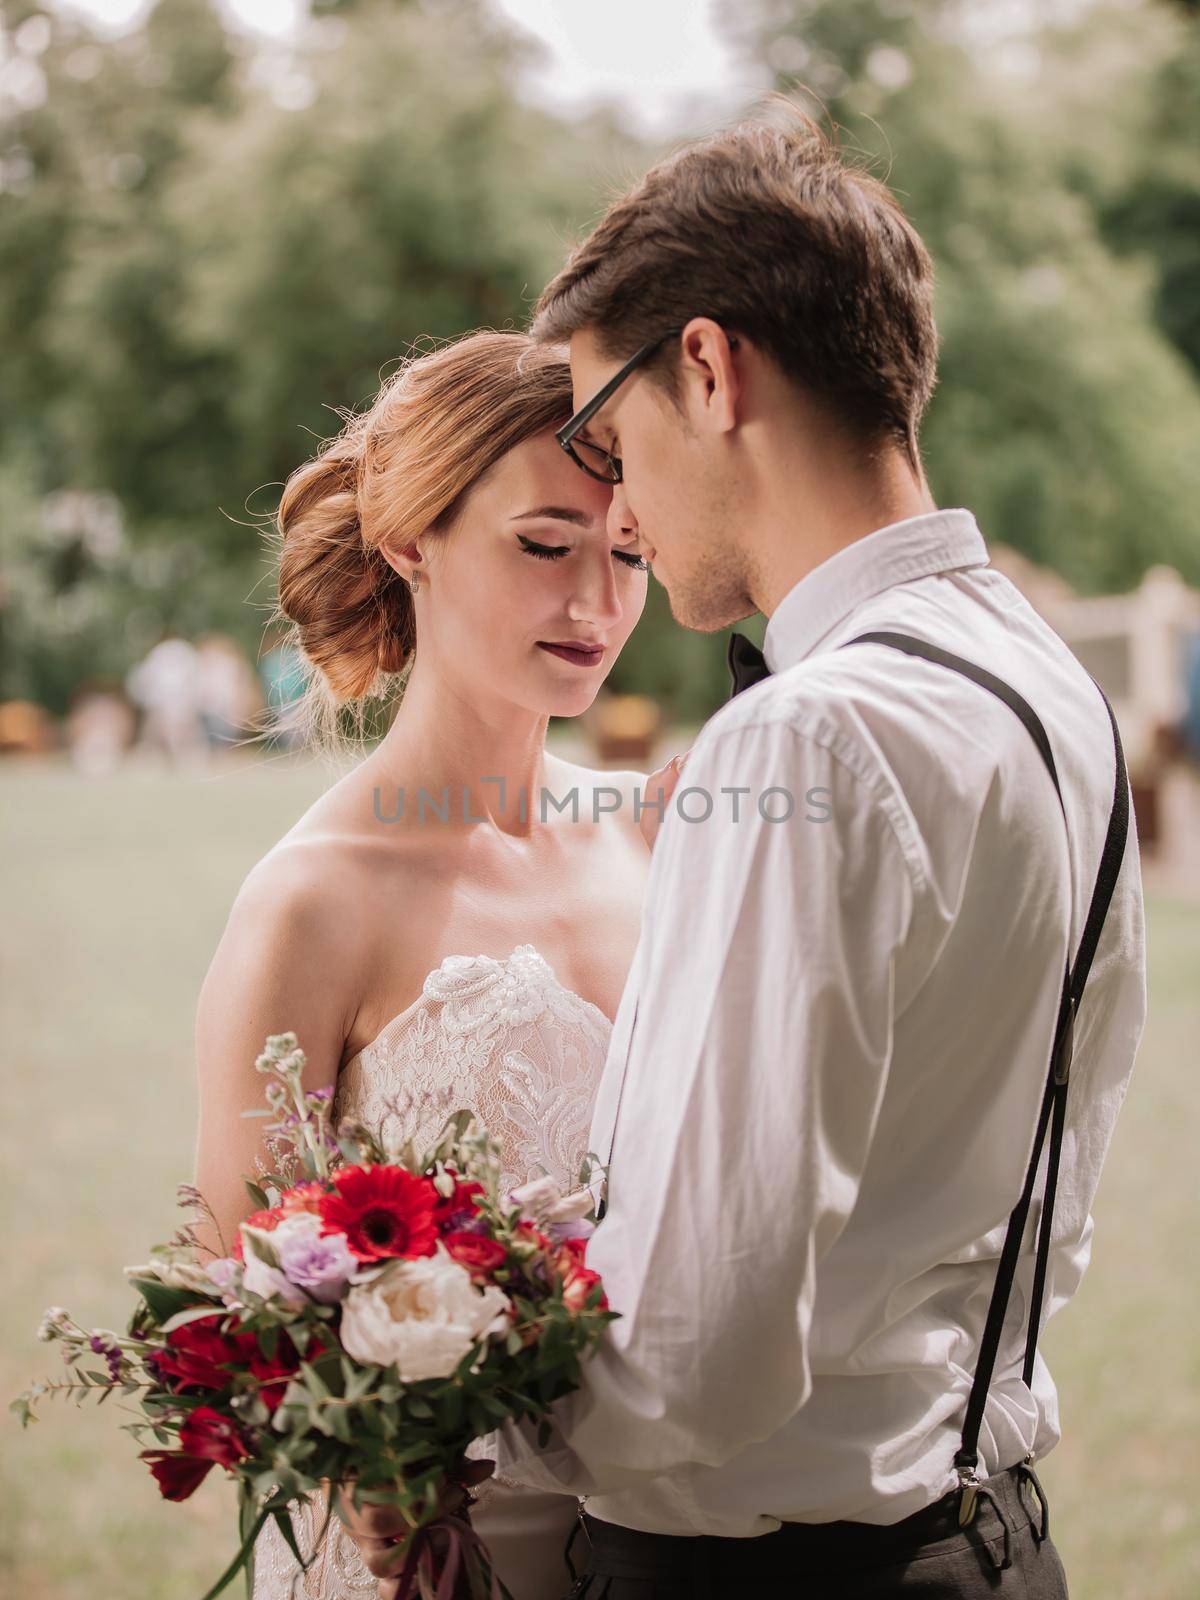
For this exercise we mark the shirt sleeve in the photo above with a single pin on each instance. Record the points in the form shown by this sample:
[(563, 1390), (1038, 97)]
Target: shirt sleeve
[(759, 1055)]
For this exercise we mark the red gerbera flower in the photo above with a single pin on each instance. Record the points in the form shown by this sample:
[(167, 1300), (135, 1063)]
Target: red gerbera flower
[(383, 1211)]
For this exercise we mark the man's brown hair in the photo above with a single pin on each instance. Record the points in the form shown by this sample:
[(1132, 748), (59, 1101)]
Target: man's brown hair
[(766, 229)]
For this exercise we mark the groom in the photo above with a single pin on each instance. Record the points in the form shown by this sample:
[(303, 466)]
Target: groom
[(892, 949)]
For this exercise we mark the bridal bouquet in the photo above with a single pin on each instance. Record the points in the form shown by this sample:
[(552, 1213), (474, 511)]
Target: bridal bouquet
[(378, 1312)]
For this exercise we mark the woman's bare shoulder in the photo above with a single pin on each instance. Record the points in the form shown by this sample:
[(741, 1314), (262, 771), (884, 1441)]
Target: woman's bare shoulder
[(564, 776), (305, 894)]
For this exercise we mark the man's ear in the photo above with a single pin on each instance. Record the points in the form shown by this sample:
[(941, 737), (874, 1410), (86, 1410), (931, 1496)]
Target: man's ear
[(710, 381)]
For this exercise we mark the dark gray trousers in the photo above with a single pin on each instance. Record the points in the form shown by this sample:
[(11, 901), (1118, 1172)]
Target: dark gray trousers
[(1006, 1550)]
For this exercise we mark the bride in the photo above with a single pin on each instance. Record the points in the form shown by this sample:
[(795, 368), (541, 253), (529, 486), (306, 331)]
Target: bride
[(451, 923)]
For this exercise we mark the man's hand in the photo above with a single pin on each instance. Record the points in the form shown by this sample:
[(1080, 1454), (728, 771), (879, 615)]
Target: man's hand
[(382, 1535), (656, 797)]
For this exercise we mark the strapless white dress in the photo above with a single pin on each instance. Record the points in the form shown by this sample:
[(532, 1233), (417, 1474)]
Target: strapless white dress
[(507, 1040)]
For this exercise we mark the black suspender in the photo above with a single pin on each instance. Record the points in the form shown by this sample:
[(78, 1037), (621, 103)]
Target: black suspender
[(1052, 1114)]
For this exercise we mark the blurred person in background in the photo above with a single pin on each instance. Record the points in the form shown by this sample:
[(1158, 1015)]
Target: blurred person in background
[(229, 694), (165, 685), (284, 680), (474, 956), (1189, 728), (101, 725)]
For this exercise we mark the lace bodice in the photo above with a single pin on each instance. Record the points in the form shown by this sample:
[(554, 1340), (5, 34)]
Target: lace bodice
[(505, 1039)]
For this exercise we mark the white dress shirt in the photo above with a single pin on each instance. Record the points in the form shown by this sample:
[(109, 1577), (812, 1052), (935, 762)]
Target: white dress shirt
[(843, 1026)]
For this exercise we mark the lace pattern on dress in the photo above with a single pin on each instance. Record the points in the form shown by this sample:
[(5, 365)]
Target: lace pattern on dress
[(505, 1039)]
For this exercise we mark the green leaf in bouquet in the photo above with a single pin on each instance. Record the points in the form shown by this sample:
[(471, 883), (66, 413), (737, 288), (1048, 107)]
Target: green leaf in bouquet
[(268, 1340), (258, 1242), (192, 1314), (419, 1408), (342, 1424), (283, 1521), (356, 1381), (450, 1408), (314, 1382), (162, 1300), (257, 1193)]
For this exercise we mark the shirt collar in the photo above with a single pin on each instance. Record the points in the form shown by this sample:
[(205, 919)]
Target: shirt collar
[(918, 547)]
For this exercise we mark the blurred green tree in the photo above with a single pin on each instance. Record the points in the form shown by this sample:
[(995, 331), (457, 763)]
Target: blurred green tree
[(209, 247), (1063, 417), (210, 244)]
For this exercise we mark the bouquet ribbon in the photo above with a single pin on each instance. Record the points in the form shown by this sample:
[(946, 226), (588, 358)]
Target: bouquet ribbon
[(462, 1542)]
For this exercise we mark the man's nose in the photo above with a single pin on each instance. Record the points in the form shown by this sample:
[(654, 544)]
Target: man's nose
[(622, 524)]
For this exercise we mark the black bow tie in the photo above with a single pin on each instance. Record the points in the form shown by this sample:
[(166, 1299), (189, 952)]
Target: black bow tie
[(747, 664)]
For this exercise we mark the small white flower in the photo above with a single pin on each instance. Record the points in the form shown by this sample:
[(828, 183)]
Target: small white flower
[(51, 1325), (421, 1315), (571, 1207), (536, 1196), (175, 1274)]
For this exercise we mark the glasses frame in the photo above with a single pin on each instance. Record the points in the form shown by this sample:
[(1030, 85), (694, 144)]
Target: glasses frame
[(566, 434)]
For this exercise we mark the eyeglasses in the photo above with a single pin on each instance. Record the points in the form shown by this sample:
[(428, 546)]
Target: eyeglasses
[(603, 464)]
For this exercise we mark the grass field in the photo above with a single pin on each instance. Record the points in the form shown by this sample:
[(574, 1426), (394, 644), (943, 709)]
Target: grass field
[(116, 892)]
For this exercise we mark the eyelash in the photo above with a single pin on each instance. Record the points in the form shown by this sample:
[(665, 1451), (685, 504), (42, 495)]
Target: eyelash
[(548, 552)]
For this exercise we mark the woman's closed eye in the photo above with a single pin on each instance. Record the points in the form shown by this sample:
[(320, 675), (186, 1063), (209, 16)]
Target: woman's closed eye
[(552, 552)]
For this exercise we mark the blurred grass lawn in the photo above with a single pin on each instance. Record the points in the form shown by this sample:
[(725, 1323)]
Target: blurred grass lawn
[(117, 890)]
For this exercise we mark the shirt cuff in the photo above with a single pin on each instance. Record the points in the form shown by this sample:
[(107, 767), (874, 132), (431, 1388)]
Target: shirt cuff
[(556, 1469)]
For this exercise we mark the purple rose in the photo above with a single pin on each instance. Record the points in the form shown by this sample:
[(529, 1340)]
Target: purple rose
[(321, 1264)]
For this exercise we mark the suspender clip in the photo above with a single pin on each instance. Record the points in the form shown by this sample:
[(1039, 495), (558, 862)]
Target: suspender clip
[(1066, 1047), (968, 1484)]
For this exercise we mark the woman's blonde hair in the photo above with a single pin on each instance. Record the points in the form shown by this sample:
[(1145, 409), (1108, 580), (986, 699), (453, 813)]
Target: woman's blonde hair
[(397, 470)]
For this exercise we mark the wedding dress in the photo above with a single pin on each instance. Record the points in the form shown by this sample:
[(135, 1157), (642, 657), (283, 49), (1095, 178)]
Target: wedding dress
[(507, 1040)]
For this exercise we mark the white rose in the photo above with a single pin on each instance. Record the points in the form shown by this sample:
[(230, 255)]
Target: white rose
[(423, 1315)]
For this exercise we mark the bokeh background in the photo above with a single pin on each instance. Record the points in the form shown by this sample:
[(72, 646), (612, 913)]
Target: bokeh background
[(219, 224)]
